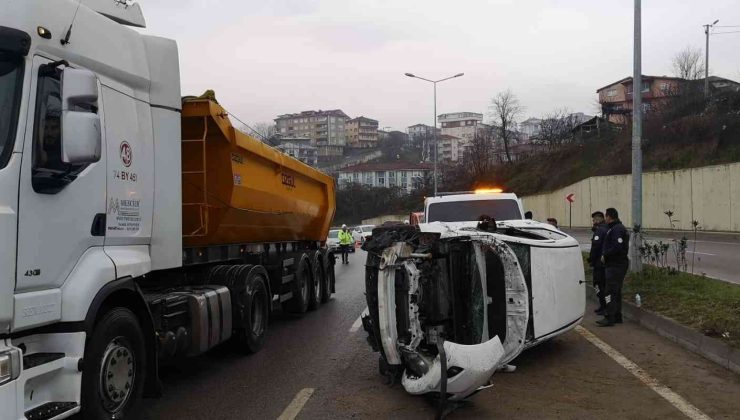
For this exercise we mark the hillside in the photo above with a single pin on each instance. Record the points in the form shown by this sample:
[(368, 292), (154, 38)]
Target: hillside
[(688, 142)]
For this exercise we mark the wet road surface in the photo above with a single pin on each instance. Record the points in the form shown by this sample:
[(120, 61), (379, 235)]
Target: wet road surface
[(567, 377)]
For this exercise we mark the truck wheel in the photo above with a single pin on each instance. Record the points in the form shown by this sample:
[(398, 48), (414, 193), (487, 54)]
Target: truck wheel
[(254, 304), (299, 302), (114, 367), (317, 285), (328, 277)]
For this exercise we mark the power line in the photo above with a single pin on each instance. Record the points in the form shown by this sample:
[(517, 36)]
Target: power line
[(727, 26), (723, 33)]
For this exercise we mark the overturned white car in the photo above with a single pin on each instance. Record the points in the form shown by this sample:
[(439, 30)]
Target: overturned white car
[(451, 302)]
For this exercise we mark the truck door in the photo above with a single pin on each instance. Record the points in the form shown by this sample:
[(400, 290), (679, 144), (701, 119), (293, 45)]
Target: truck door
[(58, 202)]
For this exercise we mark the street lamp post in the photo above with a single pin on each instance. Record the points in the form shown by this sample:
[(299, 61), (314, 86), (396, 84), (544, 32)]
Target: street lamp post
[(706, 59), (434, 82)]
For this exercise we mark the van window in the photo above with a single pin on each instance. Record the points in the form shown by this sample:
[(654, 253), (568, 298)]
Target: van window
[(471, 210)]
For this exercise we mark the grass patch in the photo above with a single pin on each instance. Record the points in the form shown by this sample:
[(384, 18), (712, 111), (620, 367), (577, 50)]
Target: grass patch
[(704, 304), (709, 306)]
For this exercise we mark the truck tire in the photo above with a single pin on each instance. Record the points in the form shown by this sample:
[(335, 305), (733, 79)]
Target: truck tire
[(328, 259), (298, 304), (114, 367), (317, 285), (253, 306)]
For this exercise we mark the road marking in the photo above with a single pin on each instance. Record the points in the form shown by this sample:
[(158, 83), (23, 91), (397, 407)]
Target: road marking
[(295, 406), (676, 400), (358, 322), (699, 253)]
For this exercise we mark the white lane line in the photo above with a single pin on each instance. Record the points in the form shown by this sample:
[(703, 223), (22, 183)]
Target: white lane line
[(358, 322), (699, 253), (676, 400), (295, 406)]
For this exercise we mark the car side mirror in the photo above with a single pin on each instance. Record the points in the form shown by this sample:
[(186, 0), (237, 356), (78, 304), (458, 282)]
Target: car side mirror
[(81, 133)]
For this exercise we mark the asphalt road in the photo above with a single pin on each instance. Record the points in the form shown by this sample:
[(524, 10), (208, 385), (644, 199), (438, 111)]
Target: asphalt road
[(323, 357), (713, 254)]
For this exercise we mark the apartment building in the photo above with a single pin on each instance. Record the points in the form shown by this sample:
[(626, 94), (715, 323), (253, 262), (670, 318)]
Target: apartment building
[(362, 132), (301, 149), (461, 124), (530, 128), (407, 176), (616, 98), (451, 148), (418, 131), (326, 129)]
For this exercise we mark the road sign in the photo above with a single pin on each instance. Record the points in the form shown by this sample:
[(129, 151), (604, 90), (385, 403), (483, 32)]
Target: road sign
[(570, 198)]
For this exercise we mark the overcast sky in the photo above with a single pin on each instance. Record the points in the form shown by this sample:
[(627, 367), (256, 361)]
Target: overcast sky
[(269, 57)]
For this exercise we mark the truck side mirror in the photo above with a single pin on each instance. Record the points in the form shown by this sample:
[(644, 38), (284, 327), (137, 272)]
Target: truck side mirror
[(81, 136)]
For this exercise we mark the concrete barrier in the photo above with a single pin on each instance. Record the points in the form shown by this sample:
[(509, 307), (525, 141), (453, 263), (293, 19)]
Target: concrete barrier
[(710, 195)]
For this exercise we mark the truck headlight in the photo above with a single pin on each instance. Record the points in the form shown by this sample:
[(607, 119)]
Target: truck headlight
[(10, 365)]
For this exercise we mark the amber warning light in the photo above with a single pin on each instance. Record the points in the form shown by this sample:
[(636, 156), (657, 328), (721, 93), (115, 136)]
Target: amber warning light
[(488, 190)]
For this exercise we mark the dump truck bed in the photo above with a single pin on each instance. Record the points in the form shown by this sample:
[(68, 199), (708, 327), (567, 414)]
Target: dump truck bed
[(236, 189)]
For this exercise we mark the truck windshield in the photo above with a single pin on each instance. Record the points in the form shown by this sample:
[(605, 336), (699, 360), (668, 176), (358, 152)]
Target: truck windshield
[(10, 94), (471, 210)]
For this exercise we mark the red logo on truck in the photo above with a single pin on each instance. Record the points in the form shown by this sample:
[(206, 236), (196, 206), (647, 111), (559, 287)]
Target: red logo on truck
[(126, 154)]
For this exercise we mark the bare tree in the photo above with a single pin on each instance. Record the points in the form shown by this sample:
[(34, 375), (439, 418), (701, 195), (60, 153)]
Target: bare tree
[(506, 110), (688, 64), (481, 152), (557, 128)]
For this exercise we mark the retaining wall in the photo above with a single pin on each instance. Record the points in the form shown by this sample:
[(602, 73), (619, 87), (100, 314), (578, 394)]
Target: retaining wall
[(710, 195)]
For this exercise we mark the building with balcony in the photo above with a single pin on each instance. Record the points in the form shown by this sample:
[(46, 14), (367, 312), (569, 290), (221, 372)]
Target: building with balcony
[(530, 128), (419, 131), (326, 129), (616, 98), (301, 149), (407, 176), (362, 132), (451, 148), (464, 125)]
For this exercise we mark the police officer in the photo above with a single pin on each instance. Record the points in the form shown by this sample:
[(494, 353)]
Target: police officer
[(599, 229), (614, 255)]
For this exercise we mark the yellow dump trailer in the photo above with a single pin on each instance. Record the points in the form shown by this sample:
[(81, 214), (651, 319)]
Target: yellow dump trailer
[(236, 189)]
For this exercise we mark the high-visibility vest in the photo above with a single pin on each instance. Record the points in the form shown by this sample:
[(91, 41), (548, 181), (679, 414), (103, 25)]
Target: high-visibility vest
[(345, 238)]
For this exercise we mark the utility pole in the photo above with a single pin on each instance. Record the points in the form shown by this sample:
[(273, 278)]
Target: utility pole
[(635, 260), (706, 59)]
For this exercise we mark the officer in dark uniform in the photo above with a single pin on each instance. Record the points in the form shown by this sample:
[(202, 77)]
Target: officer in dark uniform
[(594, 258), (614, 255)]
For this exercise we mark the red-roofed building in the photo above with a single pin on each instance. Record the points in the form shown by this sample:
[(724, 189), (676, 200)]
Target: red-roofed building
[(408, 176)]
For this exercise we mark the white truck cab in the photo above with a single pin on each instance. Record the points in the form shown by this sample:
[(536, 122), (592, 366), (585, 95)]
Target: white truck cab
[(95, 284)]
